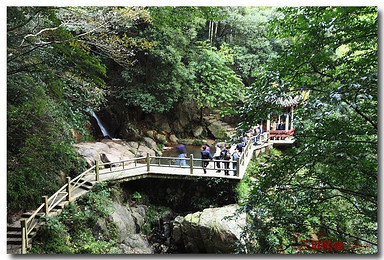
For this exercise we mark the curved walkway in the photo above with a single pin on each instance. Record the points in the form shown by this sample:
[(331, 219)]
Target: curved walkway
[(21, 233)]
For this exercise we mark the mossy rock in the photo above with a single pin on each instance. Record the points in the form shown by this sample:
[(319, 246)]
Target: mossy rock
[(218, 130)]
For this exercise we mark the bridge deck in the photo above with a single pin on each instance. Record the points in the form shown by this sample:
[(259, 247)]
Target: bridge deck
[(131, 172), (126, 170)]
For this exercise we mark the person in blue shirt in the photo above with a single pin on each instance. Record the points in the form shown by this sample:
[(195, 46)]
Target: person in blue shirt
[(182, 154), (235, 156), (240, 146), (205, 155)]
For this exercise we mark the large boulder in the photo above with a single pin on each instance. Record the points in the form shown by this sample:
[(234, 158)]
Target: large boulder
[(162, 139), (214, 230), (150, 143), (106, 151), (198, 131), (136, 244), (143, 150), (218, 130)]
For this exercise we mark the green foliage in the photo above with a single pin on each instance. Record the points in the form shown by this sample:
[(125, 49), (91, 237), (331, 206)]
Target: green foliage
[(244, 30), (152, 220), (215, 84), (327, 184), (51, 80), (73, 231)]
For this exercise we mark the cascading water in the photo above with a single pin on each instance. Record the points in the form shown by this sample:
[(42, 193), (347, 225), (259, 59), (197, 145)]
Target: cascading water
[(102, 128)]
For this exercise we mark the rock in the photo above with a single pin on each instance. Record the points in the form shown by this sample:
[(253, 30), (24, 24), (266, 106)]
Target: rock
[(150, 134), (137, 244), (133, 145), (218, 130), (173, 139), (143, 150), (198, 131), (162, 139), (106, 151), (165, 126), (211, 231), (124, 220), (150, 143)]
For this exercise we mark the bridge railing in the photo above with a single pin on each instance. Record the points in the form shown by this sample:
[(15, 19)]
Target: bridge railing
[(93, 173), (193, 163)]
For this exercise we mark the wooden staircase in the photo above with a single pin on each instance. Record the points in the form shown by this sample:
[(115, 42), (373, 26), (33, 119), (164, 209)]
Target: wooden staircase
[(14, 230)]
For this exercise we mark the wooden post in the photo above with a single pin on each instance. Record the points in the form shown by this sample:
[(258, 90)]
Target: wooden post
[(191, 162), (46, 208), (24, 236), (148, 166), (268, 123), (69, 188), (238, 167), (287, 122), (97, 170)]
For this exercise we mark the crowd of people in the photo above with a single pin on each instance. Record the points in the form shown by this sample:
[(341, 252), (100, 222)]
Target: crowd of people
[(223, 155)]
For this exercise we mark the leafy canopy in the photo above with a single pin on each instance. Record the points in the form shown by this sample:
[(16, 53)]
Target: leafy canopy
[(326, 185)]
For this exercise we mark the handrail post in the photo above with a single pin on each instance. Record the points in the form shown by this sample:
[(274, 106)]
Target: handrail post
[(46, 208), (24, 236), (97, 170), (238, 167), (191, 159), (69, 188), (148, 165)]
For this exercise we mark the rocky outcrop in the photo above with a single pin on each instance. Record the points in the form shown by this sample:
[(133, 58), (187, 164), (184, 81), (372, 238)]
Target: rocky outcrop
[(214, 230), (128, 221), (112, 151), (218, 128)]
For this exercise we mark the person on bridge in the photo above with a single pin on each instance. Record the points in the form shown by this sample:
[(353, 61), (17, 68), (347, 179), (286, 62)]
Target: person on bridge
[(240, 146), (226, 155), (205, 155), (216, 156), (235, 156), (182, 154)]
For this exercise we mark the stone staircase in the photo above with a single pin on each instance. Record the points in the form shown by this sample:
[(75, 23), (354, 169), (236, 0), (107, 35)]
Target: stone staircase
[(219, 128)]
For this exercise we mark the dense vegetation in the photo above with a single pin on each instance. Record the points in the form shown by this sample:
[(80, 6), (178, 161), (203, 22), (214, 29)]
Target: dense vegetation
[(327, 184), (64, 62), (73, 231)]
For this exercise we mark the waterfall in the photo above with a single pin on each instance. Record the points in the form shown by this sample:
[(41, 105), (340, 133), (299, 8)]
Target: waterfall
[(102, 128)]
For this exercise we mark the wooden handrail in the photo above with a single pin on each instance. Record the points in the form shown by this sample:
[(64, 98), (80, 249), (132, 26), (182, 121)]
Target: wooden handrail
[(29, 224)]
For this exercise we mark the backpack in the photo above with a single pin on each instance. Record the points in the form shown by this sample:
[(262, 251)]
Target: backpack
[(225, 154)]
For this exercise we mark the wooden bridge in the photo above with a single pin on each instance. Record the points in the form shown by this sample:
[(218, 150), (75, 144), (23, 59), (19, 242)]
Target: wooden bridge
[(20, 234)]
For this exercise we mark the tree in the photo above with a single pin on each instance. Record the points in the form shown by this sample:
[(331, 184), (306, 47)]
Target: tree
[(53, 77), (215, 84), (244, 30), (325, 186)]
